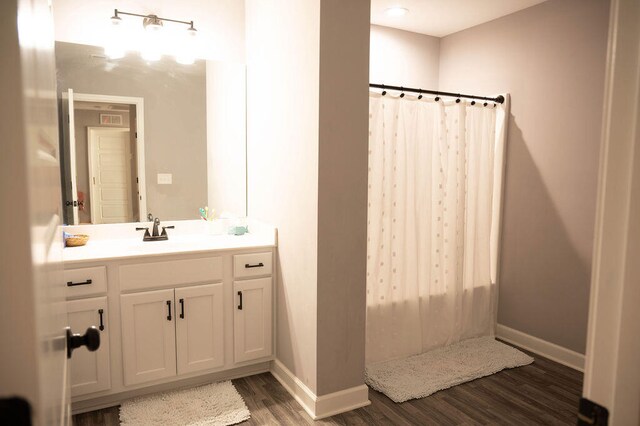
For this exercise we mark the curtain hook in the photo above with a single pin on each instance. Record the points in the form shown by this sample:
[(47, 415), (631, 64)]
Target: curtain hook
[(420, 93), (437, 98), (402, 90), (384, 92), (458, 100), (485, 104), (494, 105), (473, 102)]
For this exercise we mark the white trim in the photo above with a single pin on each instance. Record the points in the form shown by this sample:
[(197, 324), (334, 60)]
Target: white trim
[(320, 407), (534, 344), (140, 158)]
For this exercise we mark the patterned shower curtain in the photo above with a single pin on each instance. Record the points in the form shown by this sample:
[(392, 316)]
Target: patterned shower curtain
[(431, 223)]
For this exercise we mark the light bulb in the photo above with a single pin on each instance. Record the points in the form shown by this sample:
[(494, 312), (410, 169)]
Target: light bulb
[(186, 54), (152, 42), (114, 47)]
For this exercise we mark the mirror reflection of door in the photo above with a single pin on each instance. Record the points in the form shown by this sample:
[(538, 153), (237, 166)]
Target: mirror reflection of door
[(110, 175), (104, 165)]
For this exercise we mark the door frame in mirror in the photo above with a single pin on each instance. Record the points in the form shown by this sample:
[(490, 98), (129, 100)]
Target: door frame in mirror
[(140, 158)]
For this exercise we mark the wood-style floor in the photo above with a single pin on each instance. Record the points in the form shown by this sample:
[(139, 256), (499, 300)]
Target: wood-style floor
[(544, 392)]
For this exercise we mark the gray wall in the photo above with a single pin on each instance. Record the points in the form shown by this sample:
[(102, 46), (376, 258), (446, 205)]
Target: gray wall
[(403, 58), (307, 155), (342, 193), (174, 118), (551, 59)]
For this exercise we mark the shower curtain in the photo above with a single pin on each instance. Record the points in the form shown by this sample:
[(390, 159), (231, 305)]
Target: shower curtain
[(435, 177)]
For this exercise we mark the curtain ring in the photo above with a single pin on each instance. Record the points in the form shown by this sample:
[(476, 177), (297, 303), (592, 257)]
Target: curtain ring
[(384, 92), (437, 98), (485, 104), (420, 94), (473, 102), (402, 90), (458, 100)]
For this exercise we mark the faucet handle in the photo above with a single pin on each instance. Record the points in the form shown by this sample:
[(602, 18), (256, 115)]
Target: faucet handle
[(164, 229), (146, 232), (150, 217)]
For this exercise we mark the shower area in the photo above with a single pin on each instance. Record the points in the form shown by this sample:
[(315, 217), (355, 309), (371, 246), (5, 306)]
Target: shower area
[(435, 183)]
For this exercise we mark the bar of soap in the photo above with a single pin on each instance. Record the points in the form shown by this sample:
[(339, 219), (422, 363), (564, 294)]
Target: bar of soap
[(238, 230)]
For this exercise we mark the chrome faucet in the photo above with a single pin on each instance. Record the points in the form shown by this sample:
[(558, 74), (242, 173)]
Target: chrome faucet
[(155, 235)]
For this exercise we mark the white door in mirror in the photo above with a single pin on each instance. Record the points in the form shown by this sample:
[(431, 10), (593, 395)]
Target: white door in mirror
[(110, 173)]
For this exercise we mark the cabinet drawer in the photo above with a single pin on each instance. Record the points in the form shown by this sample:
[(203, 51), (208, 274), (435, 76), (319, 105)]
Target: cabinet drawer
[(169, 273), (86, 281), (251, 265)]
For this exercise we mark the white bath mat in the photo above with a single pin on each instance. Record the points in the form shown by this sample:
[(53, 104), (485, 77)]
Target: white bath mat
[(217, 404), (421, 375)]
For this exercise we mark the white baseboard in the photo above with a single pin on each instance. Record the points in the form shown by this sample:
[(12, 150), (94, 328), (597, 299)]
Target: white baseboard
[(319, 407), (549, 350)]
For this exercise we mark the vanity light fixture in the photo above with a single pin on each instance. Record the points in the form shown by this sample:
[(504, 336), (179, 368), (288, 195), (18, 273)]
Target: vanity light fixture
[(154, 38), (396, 11)]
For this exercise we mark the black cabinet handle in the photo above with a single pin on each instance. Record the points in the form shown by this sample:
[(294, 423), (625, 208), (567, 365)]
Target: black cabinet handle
[(182, 308), (100, 312), (168, 310), (71, 283), (257, 265), (240, 305)]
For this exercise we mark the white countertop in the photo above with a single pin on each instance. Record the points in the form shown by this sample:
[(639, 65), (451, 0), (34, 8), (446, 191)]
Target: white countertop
[(101, 248)]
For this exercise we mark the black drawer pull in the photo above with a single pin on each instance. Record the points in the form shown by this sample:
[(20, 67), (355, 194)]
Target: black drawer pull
[(168, 310), (257, 265), (71, 283), (100, 312), (182, 308), (240, 305)]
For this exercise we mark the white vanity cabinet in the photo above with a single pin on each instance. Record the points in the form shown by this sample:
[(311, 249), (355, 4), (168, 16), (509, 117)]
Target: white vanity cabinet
[(253, 313), (252, 319), (175, 320), (89, 371), (199, 328), (148, 336), (169, 332)]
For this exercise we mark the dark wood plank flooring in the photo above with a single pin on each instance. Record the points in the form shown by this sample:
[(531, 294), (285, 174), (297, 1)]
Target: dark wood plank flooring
[(544, 392)]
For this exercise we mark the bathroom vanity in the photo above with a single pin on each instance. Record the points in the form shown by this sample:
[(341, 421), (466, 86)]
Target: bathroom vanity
[(194, 309)]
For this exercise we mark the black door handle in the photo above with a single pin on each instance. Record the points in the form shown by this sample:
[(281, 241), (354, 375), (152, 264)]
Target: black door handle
[(257, 265), (100, 312), (90, 339), (240, 305), (182, 308), (168, 310)]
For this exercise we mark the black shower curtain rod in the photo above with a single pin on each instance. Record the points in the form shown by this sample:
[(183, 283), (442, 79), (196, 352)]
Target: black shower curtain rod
[(384, 87)]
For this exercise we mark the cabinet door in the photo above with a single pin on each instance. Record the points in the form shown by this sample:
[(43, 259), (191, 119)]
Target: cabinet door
[(199, 328), (89, 371), (252, 319), (148, 336)]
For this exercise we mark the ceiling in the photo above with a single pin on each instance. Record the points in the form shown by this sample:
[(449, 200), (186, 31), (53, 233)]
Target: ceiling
[(443, 17)]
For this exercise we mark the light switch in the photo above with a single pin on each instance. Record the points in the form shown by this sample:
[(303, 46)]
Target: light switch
[(165, 178)]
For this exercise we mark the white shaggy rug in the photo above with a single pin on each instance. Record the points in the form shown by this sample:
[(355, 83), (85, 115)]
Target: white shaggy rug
[(421, 375), (217, 404)]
